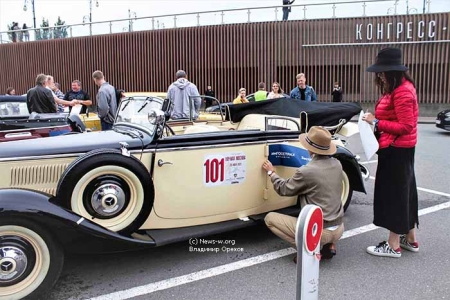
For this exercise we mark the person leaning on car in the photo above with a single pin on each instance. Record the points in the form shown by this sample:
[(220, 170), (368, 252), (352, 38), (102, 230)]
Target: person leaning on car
[(106, 101), (320, 183), (76, 93), (40, 99)]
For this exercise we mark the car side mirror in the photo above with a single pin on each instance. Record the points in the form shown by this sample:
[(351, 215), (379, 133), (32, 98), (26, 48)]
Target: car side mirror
[(156, 117)]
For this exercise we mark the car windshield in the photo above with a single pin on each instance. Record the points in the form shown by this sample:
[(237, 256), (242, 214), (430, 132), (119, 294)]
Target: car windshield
[(13, 109), (134, 110)]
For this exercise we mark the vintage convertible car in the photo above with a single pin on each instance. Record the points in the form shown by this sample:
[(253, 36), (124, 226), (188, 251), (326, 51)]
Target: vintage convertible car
[(443, 120), (149, 182), (16, 123)]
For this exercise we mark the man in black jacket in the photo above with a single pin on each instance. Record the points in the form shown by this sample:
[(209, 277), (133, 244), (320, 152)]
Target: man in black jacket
[(337, 93), (40, 99), (209, 92), (286, 9)]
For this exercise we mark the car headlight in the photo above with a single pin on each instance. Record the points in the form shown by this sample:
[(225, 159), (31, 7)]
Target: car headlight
[(447, 115), (156, 116)]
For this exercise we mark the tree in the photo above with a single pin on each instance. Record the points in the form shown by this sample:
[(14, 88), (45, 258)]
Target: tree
[(44, 32), (60, 32)]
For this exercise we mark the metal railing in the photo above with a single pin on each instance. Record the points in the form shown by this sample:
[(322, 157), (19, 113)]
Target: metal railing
[(337, 9)]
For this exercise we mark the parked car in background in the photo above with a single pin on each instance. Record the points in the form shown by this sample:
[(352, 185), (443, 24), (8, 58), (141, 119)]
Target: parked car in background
[(149, 182), (16, 123), (443, 120)]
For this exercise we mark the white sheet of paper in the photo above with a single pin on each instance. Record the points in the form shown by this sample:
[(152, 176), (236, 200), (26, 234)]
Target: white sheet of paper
[(368, 140), (76, 109)]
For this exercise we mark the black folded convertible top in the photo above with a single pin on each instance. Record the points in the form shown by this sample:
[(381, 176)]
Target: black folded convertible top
[(14, 98), (319, 113)]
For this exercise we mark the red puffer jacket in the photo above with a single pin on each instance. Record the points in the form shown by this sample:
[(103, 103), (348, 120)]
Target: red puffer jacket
[(398, 114)]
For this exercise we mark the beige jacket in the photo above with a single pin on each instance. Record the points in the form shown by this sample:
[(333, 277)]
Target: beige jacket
[(319, 183)]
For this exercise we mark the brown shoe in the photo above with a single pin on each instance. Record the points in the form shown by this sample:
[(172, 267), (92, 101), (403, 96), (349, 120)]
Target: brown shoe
[(328, 251)]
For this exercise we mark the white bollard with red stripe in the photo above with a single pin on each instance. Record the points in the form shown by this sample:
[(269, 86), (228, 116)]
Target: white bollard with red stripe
[(307, 238)]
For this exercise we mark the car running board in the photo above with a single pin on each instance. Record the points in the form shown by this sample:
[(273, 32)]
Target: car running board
[(174, 235)]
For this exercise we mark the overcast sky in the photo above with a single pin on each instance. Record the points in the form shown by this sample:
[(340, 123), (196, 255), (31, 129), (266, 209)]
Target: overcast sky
[(72, 11)]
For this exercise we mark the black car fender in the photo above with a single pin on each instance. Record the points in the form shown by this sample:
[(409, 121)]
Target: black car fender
[(351, 168), (76, 124), (75, 233)]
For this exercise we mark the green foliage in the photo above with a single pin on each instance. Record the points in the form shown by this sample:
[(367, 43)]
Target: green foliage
[(60, 32), (43, 33)]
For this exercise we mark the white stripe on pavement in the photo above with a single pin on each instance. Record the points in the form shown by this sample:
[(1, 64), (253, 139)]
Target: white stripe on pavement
[(196, 276), (426, 190), (176, 281)]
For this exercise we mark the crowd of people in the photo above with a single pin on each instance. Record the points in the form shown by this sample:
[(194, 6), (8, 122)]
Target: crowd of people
[(320, 181), (181, 92), (20, 36), (46, 97)]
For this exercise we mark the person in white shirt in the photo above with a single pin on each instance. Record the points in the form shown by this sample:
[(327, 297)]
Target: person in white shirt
[(49, 84)]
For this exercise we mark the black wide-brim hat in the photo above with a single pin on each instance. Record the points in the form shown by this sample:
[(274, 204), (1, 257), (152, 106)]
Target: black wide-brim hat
[(388, 59)]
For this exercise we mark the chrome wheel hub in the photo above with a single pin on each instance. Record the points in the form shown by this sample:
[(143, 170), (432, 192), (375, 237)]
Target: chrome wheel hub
[(108, 199), (13, 263)]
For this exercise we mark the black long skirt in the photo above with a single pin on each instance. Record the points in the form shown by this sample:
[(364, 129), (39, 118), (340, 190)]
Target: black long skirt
[(396, 201)]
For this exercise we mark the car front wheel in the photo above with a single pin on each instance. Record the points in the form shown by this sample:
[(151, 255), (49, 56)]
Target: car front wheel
[(108, 188), (30, 259)]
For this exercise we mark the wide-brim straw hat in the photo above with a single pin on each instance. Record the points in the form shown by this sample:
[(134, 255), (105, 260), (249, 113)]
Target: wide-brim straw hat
[(318, 140), (388, 59)]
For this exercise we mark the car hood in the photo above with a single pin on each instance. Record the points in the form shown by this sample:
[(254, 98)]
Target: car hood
[(72, 143)]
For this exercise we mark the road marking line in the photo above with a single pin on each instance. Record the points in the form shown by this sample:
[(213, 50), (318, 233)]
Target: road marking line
[(369, 162), (426, 190), (196, 276), (176, 281)]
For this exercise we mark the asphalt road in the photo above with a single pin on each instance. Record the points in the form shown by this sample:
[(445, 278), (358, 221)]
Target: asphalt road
[(352, 274)]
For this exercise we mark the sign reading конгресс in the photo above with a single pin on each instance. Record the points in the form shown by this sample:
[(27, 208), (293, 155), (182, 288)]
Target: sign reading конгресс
[(412, 30)]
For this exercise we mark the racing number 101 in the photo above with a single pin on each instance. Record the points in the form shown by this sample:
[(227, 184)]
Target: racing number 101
[(215, 170)]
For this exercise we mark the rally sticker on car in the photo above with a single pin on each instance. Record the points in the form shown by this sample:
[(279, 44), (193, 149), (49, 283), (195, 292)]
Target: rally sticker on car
[(224, 169)]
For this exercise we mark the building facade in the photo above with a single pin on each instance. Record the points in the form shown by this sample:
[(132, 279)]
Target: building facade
[(229, 57)]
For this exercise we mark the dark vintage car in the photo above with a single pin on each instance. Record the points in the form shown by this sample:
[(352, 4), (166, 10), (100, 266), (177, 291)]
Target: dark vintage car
[(443, 120), (16, 123), (149, 182)]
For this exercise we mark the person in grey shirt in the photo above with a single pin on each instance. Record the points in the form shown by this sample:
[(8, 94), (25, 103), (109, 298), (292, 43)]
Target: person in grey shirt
[(106, 101), (179, 93)]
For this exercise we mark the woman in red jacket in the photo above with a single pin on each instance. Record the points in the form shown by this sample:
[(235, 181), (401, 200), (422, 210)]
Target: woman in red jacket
[(395, 121)]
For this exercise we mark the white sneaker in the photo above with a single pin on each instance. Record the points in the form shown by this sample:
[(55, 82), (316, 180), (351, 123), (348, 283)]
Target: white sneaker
[(413, 247), (383, 249)]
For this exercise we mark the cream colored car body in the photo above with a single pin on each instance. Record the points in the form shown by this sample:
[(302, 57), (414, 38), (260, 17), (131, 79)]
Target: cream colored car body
[(181, 197)]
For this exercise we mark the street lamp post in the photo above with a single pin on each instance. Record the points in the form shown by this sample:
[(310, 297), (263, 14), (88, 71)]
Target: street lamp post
[(90, 15), (33, 10), (131, 14)]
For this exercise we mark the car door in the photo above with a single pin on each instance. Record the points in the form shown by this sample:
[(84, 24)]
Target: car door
[(193, 182), (285, 156)]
